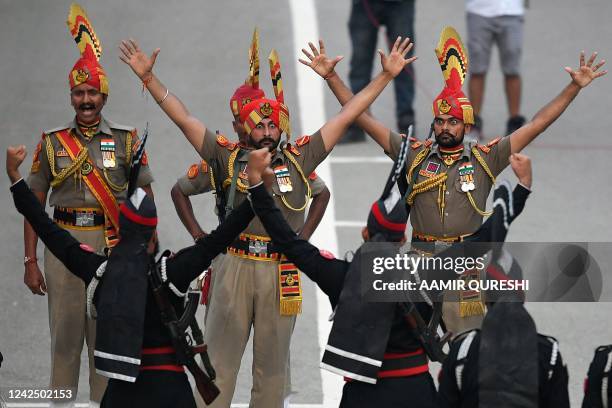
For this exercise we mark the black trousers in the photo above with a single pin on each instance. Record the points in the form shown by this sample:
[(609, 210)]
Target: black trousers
[(417, 391), (152, 389)]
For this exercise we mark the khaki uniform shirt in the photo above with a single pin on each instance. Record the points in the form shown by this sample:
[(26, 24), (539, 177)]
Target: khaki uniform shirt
[(73, 191), (308, 152), (197, 181), (459, 216)]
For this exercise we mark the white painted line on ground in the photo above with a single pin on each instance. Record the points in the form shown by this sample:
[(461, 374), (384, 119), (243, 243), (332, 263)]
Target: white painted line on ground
[(310, 96), (349, 224), (359, 159)]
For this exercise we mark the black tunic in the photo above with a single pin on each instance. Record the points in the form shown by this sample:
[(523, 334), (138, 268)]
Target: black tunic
[(182, 269), (552, 375)]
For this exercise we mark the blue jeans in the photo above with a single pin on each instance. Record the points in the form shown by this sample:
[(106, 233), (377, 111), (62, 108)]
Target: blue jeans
[(398, 19)]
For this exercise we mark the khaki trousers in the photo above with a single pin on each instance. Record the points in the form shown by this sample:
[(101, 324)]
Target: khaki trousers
[(246, 294), (68, 321)]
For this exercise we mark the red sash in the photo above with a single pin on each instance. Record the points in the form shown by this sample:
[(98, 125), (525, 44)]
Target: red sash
[(96, 185)]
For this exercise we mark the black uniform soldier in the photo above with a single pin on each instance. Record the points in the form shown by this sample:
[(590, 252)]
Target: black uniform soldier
[(598, 384), (506, 364), (451, 177), (139, 344), (391, 369)]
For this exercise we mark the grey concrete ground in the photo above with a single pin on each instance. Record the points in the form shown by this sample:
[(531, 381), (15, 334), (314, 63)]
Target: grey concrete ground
[(203, 59)]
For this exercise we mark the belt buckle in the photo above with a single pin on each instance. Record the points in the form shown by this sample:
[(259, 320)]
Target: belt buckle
[(258, 247), (84, 219), (440, 246)]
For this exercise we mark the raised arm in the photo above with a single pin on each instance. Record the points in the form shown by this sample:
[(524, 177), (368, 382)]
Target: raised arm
[(581, 78), (325, 68), (142, 65), (392, 65), (80, 260)]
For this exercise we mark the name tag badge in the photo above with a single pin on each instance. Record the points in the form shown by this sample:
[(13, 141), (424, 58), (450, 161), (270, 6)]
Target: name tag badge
[(61, 153), (430, 170)]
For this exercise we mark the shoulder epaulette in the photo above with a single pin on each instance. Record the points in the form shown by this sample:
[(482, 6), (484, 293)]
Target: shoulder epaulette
[(302, 141), (494, 142), (192, 172), (293, 150), (484, 148), (428, 142), (117, 126), (223, 142), (415, 145), (57, 129)]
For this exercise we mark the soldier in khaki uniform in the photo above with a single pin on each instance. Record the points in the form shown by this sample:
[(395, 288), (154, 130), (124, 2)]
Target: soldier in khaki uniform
[(255, 286), (86, 164), (451, 178)]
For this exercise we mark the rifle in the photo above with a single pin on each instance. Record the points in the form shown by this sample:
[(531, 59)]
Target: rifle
[(427, 333), (181, 341)]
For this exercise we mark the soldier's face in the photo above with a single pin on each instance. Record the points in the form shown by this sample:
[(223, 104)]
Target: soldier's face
[(265, 134), (449, 130), (87, 102)]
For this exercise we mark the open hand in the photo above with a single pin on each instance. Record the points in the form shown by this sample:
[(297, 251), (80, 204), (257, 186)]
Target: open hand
[(258, 161), (587, 72), (14, 157), (319, 61), (395, 62), (521, 165), (132, 55)]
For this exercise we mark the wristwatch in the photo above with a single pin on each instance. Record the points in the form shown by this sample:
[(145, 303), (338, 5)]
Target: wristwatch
[(27, 260)]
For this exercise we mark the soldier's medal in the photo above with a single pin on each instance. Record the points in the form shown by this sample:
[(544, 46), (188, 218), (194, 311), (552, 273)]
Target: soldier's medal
[(107, 146), (466, 177), (430, 170), (86, 168), (282, 178)]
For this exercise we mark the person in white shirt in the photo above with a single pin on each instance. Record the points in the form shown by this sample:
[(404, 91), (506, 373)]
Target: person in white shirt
[(499, 22)]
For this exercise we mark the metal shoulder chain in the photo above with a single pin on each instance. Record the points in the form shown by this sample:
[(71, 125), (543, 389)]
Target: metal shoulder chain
[(487, 170), (304, 179), (58, 178), (112, 185), (230, 171)]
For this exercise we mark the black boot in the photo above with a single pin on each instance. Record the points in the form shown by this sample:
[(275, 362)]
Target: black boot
[(514, 123), (353, 134)]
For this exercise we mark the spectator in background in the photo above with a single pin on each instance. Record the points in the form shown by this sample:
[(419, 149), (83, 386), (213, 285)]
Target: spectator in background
[(366, 18), (499, 22)]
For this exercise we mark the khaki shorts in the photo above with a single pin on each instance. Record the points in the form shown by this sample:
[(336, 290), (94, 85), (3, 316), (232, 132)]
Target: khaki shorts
[(505, 31)]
